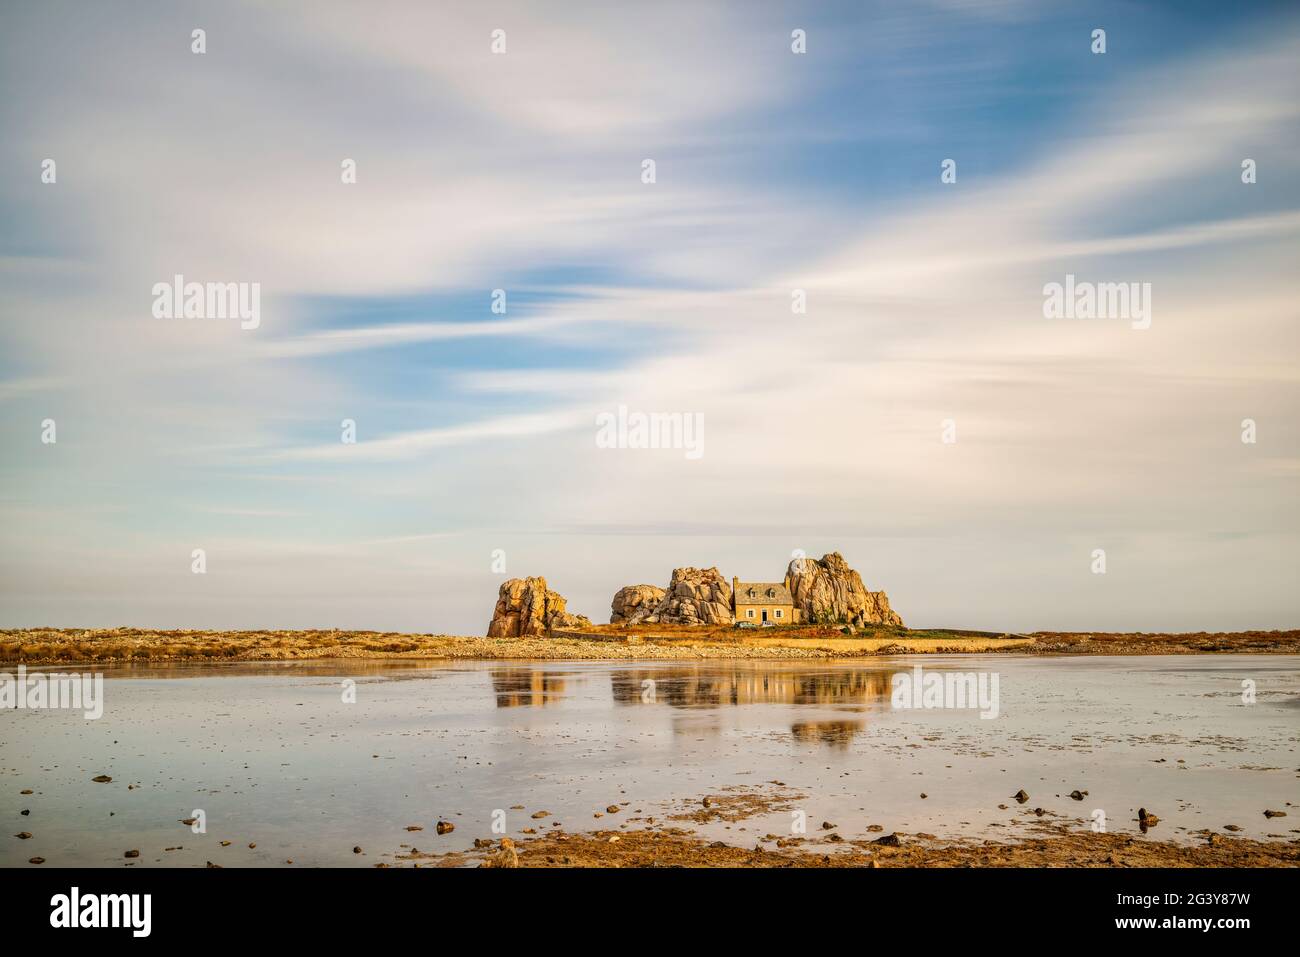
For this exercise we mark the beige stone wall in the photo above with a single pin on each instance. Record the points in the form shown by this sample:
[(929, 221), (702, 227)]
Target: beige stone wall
[(786, 618)]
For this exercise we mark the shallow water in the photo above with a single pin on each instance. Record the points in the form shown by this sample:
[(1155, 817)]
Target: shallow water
[(273, 755)]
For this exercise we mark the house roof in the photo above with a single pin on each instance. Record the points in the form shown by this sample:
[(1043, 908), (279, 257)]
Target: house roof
[(779, 594)]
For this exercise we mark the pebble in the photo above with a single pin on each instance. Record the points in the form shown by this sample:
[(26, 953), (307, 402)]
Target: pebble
[(132, 853), (101, 779), (444, 827), (36, 860), (507, 856)]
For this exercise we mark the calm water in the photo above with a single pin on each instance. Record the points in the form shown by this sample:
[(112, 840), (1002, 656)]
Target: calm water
[(274, 756)]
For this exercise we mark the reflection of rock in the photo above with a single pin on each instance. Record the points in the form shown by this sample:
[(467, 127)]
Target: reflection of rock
[(689, 685), (525, 606), (835, 733), (711, 687), (830, 591), (519, 687), (695, 596), (632, 599)]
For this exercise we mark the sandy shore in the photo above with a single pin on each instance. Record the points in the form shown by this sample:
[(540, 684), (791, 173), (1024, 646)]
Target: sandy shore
[(679, 848), (671, 841), (72, 645)]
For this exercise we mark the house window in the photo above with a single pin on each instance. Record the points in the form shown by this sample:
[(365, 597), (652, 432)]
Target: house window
[(749, 612), (778, 613), (771, 593)]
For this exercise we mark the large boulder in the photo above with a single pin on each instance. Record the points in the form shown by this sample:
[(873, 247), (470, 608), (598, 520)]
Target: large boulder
[(830, 591), (695, 596), (631, 599), (525, 606)]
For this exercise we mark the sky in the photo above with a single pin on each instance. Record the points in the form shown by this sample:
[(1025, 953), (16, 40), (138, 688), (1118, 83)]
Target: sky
[(922, 415)]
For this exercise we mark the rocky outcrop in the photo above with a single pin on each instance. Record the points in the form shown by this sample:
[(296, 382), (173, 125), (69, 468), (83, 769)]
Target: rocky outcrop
[(633, 599), (695, 596), (525, 606), (830, 591)]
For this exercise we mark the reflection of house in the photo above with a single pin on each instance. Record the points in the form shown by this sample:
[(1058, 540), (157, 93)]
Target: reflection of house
[(835, 733), (715, 684), (527, 687), (831, 705), (760, 602)]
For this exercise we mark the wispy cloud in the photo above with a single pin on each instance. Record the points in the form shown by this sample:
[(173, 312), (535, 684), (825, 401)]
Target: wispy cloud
[(522, 172)]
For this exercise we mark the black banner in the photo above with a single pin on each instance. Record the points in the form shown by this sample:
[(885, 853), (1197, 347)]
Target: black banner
[(333, 906)]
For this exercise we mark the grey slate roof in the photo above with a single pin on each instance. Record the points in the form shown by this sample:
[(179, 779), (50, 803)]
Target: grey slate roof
[(780, 594)]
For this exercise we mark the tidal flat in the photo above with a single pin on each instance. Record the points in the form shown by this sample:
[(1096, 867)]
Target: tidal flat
[(355, 762)]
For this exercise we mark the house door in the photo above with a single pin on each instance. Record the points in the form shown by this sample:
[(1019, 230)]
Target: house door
[(764, 614)]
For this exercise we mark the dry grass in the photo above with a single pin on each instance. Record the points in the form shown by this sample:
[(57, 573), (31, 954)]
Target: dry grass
[(59, 646)]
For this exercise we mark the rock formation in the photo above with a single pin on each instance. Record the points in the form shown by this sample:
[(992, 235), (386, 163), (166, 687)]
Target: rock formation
[(525, 606), (695, 596), (632, 599), (830, 591)]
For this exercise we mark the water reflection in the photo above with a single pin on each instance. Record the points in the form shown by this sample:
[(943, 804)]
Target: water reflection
[(837, 734), (711, 687), (686, 686), (528, 688)]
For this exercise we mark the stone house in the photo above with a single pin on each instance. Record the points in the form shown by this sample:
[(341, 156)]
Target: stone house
[(760, 602)]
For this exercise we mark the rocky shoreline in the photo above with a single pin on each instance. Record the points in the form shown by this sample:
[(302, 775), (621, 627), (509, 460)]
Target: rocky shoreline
[(674, 847), (76, 645)]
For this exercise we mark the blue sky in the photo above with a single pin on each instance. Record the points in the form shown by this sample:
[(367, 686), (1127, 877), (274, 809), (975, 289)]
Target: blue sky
[(521, 171)]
